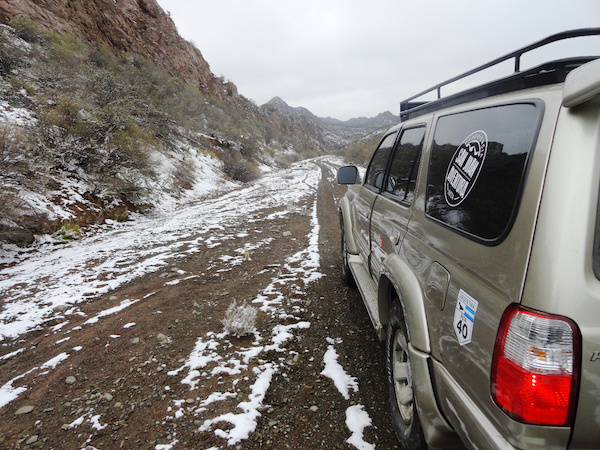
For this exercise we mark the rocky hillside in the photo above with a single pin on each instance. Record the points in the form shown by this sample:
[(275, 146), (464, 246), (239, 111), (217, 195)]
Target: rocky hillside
[(132, 26), (142, 27), (105, 110)]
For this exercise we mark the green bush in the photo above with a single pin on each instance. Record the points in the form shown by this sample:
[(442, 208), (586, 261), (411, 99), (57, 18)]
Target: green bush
[(68, 231), (65, 114), (67, 50), (25, 28), (132, 146)]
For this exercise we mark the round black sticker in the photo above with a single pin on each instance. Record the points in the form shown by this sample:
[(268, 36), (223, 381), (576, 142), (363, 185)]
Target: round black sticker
[(465, 167)]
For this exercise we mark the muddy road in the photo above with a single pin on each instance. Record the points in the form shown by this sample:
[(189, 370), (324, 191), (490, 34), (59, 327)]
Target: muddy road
[(119, 341)]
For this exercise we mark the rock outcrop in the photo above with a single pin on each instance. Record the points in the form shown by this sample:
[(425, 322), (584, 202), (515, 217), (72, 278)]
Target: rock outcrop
[(136, 26)]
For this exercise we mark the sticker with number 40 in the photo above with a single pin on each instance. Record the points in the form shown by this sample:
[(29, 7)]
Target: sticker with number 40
[(464, 317)]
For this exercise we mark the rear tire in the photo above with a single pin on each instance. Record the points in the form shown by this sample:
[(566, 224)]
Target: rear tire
[(346, 272), (400, 384)]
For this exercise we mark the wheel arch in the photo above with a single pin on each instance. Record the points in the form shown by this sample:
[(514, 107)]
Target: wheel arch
[(399, 284), (398, 281)]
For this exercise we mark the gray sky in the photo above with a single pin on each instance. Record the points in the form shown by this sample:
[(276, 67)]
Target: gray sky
[(353, 58)]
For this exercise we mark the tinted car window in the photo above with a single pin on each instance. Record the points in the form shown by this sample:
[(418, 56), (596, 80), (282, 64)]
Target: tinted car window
[(376, 170), (403, 171), (478, 166)]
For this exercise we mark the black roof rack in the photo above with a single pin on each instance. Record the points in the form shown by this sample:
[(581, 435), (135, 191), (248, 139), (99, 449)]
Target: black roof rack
[(548, 73)]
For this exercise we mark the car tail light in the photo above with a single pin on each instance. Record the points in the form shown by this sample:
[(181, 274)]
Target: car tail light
[(536, 366)]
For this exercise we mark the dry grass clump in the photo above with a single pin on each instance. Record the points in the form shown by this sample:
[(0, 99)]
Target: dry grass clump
[(240, 320)]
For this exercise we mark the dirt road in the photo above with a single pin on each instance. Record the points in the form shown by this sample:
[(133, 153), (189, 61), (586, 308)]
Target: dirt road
[(148, 364)]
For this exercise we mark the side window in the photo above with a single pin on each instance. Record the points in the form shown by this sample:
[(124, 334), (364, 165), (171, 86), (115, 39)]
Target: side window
[(478, 168), (405, 165), (376, 170)]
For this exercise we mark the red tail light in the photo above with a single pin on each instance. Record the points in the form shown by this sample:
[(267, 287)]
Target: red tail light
[(536, 366)]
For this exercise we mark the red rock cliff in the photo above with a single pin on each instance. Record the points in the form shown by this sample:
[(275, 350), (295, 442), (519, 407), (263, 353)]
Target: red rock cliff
[(138, 26)]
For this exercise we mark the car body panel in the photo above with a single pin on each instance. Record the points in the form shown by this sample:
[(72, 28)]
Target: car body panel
[(542, 260)]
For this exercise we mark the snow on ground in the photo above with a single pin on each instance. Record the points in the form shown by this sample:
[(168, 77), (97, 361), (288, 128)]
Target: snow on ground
[(343, 382), (57, 276), (51, 282), (161, 190), (17, 116)]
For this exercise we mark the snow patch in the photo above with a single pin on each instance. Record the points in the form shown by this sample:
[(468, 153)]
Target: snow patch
[(124, 304), (357, 420), (244, 423), (343, 382)]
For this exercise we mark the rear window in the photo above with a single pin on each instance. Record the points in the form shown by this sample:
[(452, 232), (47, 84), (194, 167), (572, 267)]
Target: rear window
[(478, 167)]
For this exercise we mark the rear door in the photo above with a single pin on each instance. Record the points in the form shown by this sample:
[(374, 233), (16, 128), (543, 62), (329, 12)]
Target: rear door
[(371, 188), (469, 246)]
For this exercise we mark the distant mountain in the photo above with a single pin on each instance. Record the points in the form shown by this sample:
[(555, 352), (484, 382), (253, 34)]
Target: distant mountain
[(333, 133), (278, 103), (385, 119)]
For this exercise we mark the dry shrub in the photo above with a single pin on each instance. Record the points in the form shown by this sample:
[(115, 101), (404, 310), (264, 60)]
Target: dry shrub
[(11, 56), (132, 144), (238, 168), (240, 320), (17, 146), (64, 114)]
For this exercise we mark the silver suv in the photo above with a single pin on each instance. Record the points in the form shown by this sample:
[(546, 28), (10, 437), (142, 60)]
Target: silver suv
[(474, 240)]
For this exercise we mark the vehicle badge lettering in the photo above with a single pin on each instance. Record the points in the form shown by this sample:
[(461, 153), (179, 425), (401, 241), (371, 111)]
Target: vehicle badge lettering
[(595, 357), (465, 167)]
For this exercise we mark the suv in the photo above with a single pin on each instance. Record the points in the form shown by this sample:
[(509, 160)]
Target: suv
[(474, 240)]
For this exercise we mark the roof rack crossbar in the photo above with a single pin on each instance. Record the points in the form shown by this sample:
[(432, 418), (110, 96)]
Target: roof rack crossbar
[(404, 105)]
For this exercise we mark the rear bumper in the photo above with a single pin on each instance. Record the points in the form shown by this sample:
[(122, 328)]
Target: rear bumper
[(480, 430)]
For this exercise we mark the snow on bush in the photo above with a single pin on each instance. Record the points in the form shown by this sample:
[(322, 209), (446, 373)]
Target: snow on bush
[(240, 320)]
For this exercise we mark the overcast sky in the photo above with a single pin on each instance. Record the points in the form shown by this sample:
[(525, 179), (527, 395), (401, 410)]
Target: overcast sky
[(353, 58)]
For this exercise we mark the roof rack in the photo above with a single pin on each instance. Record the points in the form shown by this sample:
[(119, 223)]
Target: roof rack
[(548, 73)]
